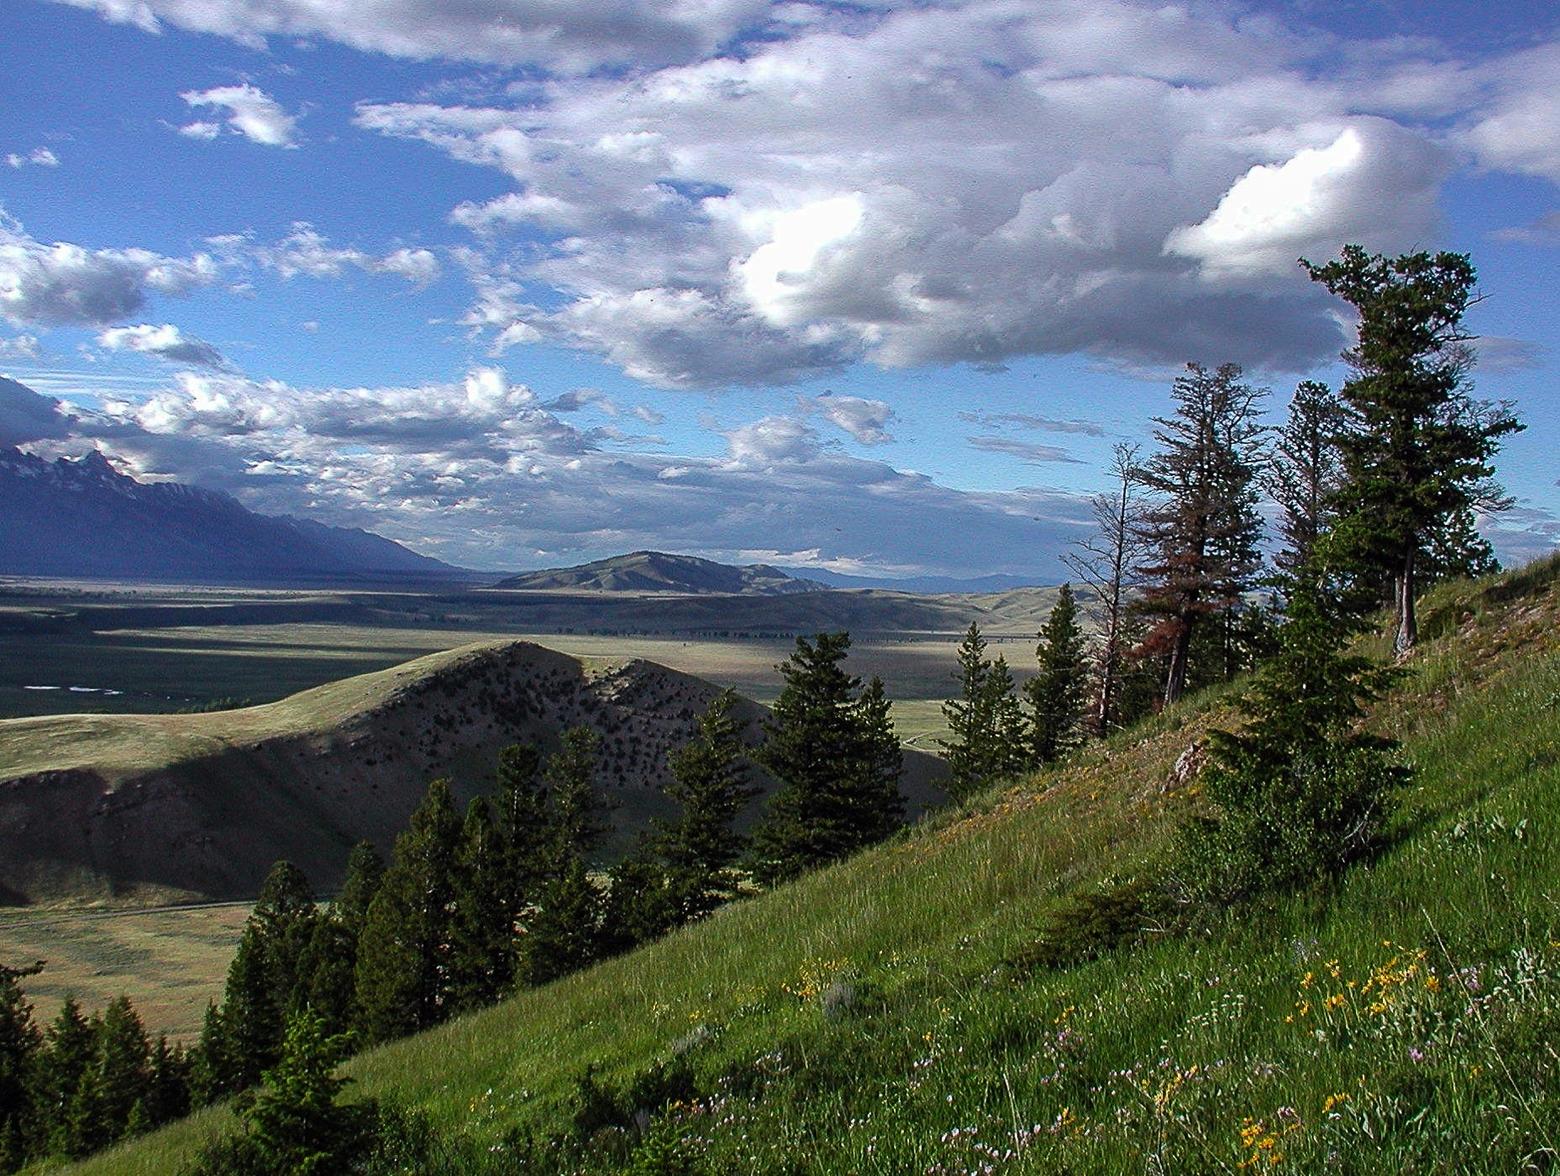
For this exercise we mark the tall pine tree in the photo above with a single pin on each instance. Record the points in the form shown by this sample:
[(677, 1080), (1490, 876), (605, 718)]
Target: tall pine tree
[(1107, 562), (986, 721), (330, 963), (19, 1056), (827, 744), (1057, 691), (524, 826), (1420, 449), (481, 937), (123, 1071), (283, 920), (710, 783), (876, 805), (1305, 478), (1202, 524), (563, 931), (403, 956)]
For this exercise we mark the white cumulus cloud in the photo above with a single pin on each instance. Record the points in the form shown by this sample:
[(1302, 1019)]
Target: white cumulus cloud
[(60, 283), (1316, 198), (865, 420), (250, 112), (306, 252), (165, 342), (944, 183)]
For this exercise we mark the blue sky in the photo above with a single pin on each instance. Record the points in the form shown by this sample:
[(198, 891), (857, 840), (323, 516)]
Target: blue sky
[(872, 287)]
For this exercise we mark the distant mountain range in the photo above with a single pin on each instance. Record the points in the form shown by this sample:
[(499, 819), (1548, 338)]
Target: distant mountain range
[(84, 518), (658, 571), (931, 584)]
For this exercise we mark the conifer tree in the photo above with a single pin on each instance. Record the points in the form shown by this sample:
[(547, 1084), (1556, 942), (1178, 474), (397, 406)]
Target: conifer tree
[(1420, 448), (990, 732), (167, 1095), (402, 964), (986, 721), (283, 921), (576, 807), (969, 722), (1306, 475), (331, 961), (1107, 562), (365, 874), (1009, 754), (1057, 692), (1011, 726), (524, 827), (19, 1057), (123, 1071), (641, 903), (710, 782), (267, 977), (1453, 547), (295, 1124), (70, 1045), (1299, 791), (829, 746), (874, 802), (211, 1066), (564, 934), (1202, 527), (481, 939), (252, 1016)]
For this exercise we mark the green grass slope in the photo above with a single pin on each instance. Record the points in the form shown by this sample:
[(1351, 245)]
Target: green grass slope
[(865, 1020)]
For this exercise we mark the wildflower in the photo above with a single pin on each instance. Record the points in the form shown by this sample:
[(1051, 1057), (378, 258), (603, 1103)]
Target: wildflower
[(1334, 1101)]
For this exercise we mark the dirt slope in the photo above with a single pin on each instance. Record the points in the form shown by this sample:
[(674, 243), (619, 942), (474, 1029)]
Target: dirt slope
[(153, 808)]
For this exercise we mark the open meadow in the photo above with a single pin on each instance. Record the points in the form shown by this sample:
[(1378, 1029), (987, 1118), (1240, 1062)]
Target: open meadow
[(169, 962)]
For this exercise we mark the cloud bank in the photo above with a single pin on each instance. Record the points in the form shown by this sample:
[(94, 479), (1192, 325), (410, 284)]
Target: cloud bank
[(954, 183), (479, 471), (562, 33)]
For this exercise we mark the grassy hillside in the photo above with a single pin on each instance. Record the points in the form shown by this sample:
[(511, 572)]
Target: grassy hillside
[(150, 808), (870, 1018)]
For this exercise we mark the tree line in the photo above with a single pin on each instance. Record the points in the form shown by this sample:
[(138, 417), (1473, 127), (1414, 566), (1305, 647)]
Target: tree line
[(470, 907), (1376, 489)]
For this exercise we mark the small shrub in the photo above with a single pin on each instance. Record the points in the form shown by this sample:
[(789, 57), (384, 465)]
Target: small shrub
[(1295, 826), (666, 1151), (1088, 926)]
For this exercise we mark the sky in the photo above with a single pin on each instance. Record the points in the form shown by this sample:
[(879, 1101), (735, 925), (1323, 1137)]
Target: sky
[(872, 287)]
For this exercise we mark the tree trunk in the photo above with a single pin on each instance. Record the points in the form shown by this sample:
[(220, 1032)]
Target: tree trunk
[(1408, 624), (1175, 679), (1105, 706)]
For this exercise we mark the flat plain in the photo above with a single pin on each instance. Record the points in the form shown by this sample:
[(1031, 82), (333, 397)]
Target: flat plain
[(170, 962)]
